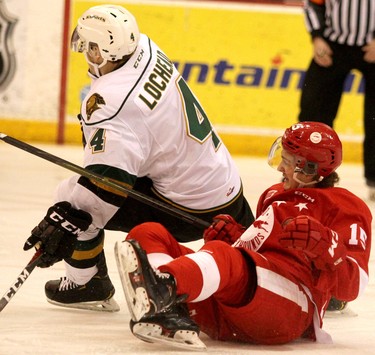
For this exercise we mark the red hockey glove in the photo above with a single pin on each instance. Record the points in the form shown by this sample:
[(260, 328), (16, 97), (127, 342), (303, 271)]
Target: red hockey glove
[(224, 228), (319, 243)]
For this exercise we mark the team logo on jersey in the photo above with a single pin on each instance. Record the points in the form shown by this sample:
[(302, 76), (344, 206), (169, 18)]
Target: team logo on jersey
[(92, 104), (7, 56), (255, 236)]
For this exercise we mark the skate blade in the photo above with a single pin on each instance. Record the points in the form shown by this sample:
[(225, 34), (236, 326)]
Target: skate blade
[(347, 312), (183, 339), (109, 305), (127, 265)]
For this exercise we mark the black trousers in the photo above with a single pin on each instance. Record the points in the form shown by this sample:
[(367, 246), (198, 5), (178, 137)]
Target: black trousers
[(322, 91), (134, 212)]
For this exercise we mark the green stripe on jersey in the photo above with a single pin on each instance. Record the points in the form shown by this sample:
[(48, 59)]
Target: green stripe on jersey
[(113, 173)]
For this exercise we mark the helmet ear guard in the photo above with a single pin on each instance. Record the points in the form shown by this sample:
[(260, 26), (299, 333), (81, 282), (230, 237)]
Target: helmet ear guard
[(307, 167)]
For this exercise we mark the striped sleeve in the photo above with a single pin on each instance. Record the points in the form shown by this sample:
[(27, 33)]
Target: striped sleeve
[(314, 11), (350, 22)]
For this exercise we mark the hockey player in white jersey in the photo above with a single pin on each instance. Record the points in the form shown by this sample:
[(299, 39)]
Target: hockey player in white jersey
[(143, 127)]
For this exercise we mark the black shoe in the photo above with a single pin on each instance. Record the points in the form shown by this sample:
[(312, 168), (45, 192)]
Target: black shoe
[(336, 305), (158, 315), (173, 327), (97, 294), (174, 319), (337, 308), (147, 292)]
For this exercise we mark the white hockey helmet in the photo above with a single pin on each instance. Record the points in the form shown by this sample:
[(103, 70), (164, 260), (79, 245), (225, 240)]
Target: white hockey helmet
[(112, 28)]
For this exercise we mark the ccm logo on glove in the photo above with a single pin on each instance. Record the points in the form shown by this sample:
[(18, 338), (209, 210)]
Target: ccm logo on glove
[(57, 233), (60, 220)]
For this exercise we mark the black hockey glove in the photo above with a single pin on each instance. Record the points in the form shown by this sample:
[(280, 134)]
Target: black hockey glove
[(57, 233)]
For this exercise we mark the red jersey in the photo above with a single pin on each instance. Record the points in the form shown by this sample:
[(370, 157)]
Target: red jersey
[(337, 209), (291, 295)]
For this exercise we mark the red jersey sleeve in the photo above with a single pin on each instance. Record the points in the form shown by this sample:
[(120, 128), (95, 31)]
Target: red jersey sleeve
[(352, 222)]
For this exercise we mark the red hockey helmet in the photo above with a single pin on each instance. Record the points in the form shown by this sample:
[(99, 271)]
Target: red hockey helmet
[(316, 145)]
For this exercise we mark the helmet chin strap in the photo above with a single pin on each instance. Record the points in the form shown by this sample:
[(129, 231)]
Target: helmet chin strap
[(96, 66), (302, 183)]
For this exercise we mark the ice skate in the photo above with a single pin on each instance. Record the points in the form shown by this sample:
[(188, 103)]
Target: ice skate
[(337, 308), (95, 295), (173, 327), (157, 313), (146, 293)]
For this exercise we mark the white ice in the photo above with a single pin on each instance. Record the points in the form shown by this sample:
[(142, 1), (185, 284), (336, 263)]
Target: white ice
[(30, 325)]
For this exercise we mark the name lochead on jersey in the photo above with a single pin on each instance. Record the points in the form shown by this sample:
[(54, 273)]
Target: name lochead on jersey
[(157, 81)]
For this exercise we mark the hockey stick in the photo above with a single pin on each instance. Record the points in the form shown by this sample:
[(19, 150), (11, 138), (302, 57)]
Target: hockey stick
[(105, 181), (22, 277)]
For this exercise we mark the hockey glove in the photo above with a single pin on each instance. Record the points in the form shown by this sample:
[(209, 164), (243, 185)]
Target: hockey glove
[(224, 228), (57, 233), (321, 244)]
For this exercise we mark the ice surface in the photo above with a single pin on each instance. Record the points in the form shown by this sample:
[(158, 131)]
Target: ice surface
[(30, 325)]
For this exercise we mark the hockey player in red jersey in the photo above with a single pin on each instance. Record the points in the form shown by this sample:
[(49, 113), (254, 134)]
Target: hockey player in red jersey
[(270, 283)]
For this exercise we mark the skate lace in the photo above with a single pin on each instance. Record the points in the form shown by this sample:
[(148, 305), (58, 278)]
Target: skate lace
[(162, 275), (67, 284)]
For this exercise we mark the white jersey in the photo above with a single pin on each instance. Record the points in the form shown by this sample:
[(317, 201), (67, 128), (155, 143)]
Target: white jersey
[(143, 120)]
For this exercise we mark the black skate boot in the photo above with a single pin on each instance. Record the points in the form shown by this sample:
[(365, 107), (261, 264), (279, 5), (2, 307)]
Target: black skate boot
[(97, 294), (338, 308), (158, 315), (336, 305), (146, 292), (172, 326)]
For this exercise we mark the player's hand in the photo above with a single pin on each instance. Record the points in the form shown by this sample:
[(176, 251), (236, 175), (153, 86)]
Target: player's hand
[(369, 52), (322, 52), (57, 233), (224, 228), (319, 243)]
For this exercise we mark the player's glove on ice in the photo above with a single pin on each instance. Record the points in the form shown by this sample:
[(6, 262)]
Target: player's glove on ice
[(319, 243), (224, 228), (57, 233)]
